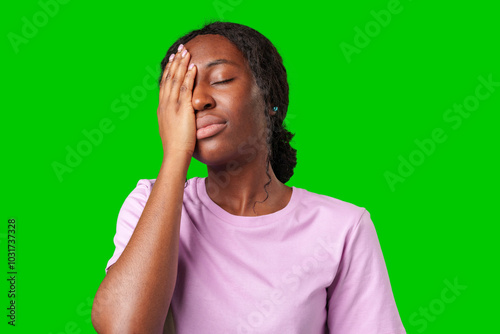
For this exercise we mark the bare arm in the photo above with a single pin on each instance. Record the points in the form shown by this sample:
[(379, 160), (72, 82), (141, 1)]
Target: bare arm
[(136, 292), (135, 295)]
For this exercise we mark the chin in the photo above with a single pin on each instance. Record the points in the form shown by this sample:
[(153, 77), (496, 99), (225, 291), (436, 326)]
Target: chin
[(213, 153)]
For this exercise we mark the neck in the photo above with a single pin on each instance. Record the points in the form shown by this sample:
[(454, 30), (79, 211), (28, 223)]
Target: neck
[(236, 187)]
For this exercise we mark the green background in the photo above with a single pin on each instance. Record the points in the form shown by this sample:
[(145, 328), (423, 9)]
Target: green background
[(353, 118)]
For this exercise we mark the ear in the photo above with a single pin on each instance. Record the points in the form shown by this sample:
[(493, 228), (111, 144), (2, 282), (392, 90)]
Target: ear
[(272, 112)]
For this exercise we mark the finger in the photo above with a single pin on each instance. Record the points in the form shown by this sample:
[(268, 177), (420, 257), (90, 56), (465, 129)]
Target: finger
[(186, 90), (170, 58), (178, 75), (170, 76), (165, 72)]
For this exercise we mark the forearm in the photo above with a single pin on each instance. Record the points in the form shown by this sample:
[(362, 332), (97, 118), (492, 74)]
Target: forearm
[(135, 294)]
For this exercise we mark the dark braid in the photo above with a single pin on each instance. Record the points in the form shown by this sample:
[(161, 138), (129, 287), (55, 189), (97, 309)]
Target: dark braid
[(270, 75)]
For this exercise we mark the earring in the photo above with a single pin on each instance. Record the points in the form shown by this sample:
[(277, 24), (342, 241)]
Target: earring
[(275, 108)]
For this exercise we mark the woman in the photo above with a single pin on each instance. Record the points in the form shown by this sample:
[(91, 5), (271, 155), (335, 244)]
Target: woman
[(237, 251)]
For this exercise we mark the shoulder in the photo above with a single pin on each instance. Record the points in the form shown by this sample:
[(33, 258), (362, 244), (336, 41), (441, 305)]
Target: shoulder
[(329, 203), (141, 191), (145, 186), (330, 210), (136, 200)]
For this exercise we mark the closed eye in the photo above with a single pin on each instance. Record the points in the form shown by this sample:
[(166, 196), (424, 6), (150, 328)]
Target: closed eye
[(223, 82)]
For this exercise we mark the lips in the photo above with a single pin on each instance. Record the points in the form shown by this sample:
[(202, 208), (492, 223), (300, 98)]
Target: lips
[(208, 126), (208, 120)]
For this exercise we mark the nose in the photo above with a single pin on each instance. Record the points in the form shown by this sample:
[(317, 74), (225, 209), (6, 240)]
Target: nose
[(202, 99)]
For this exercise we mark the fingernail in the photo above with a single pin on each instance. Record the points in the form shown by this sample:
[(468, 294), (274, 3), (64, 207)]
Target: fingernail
[(184, 53), (171, 57), (180, 47), (190, 66)]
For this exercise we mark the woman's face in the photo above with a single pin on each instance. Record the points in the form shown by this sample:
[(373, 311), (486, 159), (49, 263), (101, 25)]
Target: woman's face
[(237, 102)]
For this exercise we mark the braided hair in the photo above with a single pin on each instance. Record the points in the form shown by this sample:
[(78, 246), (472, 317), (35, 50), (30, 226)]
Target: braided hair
[(270, 75)]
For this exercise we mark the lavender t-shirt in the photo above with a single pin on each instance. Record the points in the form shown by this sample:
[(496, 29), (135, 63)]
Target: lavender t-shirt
[(313, 267)]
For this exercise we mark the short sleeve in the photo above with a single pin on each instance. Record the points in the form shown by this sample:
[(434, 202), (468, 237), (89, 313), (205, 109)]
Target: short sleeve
[(360, 298), (128, 217)]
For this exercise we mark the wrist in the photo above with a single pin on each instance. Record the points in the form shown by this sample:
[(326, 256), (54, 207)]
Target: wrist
[(176, 164)]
